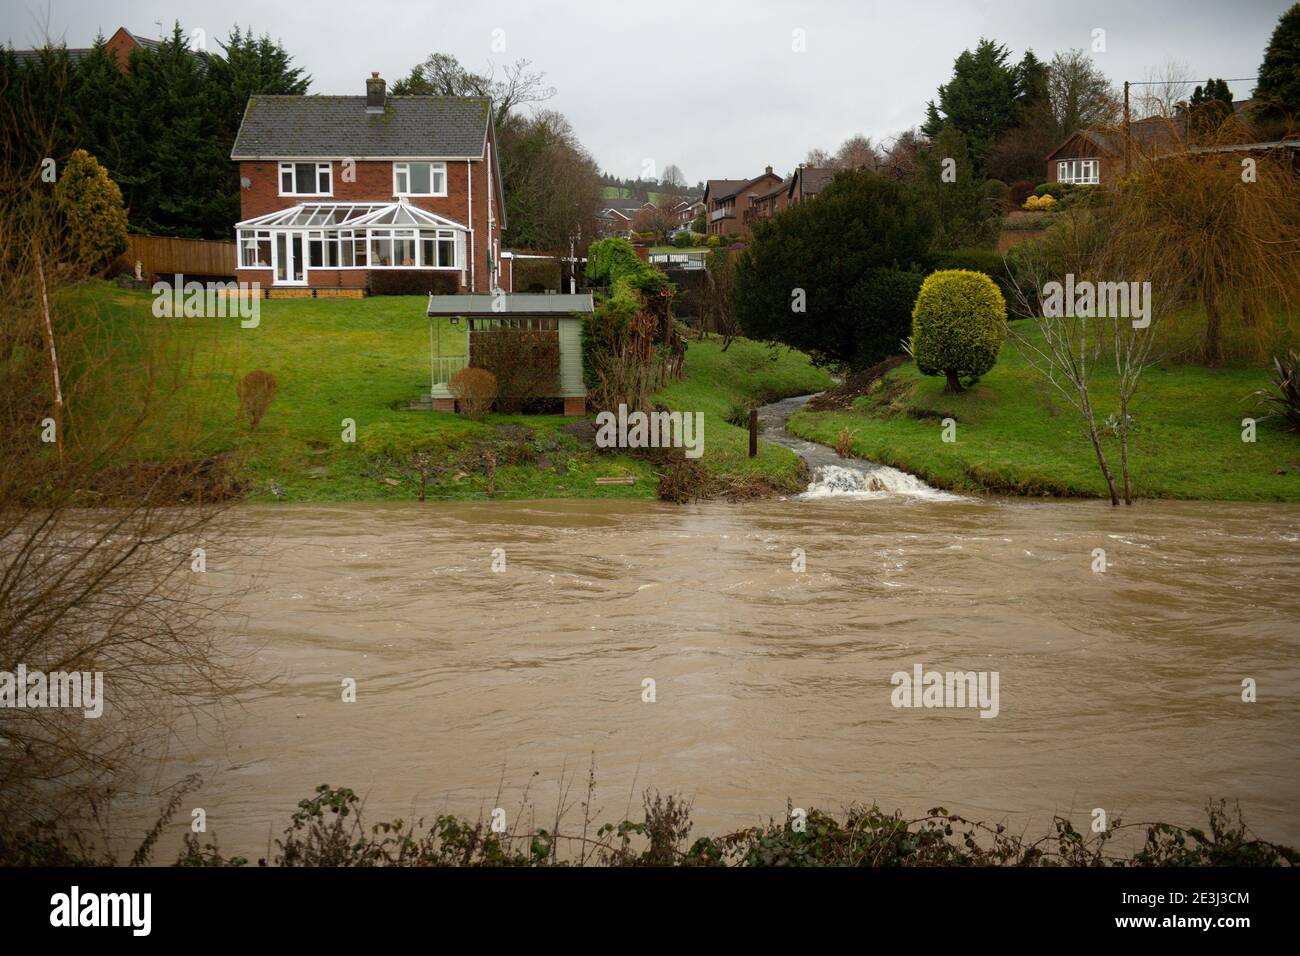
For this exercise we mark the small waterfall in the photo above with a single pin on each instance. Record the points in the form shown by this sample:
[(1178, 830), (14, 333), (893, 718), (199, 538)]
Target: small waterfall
[(833, 476), (877, 481)]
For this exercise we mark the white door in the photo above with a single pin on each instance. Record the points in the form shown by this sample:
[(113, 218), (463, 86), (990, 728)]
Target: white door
[(290, 259)]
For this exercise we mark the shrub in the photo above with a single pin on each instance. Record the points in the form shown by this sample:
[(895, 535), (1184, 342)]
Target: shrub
[(997, 192), (475, 389), (1286, 399), (256, 390), (608, 259), (958, 326), (713, 242), (683, 240), (1036, 203), (1057, 191), (412, 282), (992, 264), (883, 301), (1021, 190), (791, 281), (91, 204)]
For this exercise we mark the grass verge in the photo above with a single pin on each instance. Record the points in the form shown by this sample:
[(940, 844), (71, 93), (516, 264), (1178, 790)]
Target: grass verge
[(1016, 434), (366, 360)]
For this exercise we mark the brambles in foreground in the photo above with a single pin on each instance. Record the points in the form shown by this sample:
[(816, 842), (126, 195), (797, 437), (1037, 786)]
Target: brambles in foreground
[(327, 829)]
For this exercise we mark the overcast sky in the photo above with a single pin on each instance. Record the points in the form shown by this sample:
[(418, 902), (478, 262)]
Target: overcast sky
[(716, 87)]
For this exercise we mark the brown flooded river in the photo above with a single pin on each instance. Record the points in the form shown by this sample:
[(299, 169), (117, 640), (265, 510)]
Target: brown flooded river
[(1119, 690)]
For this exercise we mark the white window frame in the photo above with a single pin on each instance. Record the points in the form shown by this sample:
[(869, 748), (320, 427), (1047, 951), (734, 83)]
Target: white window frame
[(256, 236), (292, 169), (402, 172), (1082, 172)]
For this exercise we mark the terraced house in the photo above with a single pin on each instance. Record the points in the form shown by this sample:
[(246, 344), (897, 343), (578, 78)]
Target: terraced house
[(341, 195)]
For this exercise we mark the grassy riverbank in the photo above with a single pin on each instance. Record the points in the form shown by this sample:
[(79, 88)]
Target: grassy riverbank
[(366, 360), (1016, 434)]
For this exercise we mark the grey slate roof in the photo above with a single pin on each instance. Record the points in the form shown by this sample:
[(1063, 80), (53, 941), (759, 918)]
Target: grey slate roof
[(23, 57), (626, 206), (434, 127)]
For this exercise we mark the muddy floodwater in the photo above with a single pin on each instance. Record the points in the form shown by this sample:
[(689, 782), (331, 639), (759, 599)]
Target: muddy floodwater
[(476, 689)]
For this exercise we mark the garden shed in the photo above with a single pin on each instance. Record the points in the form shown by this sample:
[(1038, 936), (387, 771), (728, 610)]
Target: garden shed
[(534, 339)]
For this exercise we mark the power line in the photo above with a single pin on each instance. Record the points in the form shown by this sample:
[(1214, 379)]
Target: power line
[(1176, 82)]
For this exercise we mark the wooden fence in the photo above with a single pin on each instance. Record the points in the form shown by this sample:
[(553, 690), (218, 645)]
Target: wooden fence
[(167, 255)]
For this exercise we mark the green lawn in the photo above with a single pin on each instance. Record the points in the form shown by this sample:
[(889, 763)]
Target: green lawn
[(723, 385), (1015, 433), (366, 359)]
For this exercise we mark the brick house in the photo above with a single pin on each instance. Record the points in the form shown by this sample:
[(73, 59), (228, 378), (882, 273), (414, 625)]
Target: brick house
[(767, 204), (687, 210), (616, 217), (118, 46), (1092, 157), (806, 183), (351, 192), (727, 200)]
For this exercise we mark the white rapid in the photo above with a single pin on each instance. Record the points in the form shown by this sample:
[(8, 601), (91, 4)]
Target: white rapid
[(836, 477)]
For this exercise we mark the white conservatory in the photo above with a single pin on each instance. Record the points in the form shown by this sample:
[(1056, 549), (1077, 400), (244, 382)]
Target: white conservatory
[(350, 236)]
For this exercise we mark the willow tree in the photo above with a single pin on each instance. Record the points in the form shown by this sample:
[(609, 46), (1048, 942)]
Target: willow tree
[(1217, 226)]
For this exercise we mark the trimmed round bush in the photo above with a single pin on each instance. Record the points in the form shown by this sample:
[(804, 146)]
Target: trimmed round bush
[(959, 323)]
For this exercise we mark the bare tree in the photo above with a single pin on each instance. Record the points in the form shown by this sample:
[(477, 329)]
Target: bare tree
[(97, 544), (1080, 93), (1068, 348), (1164, 89), (672, 179), (902, 155), (552, 183), (719, 313), (441, 74), (857, 152), (817, 158), (659, 218)]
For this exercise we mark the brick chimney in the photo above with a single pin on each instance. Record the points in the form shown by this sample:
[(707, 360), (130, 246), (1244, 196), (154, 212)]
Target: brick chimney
[(375, 97)]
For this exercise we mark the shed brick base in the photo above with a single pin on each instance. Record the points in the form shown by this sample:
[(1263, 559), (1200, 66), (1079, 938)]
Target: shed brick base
[(444, 405), (575, 406)]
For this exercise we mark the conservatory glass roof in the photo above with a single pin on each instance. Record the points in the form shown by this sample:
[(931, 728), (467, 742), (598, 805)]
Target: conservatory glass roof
[(318, 215)]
